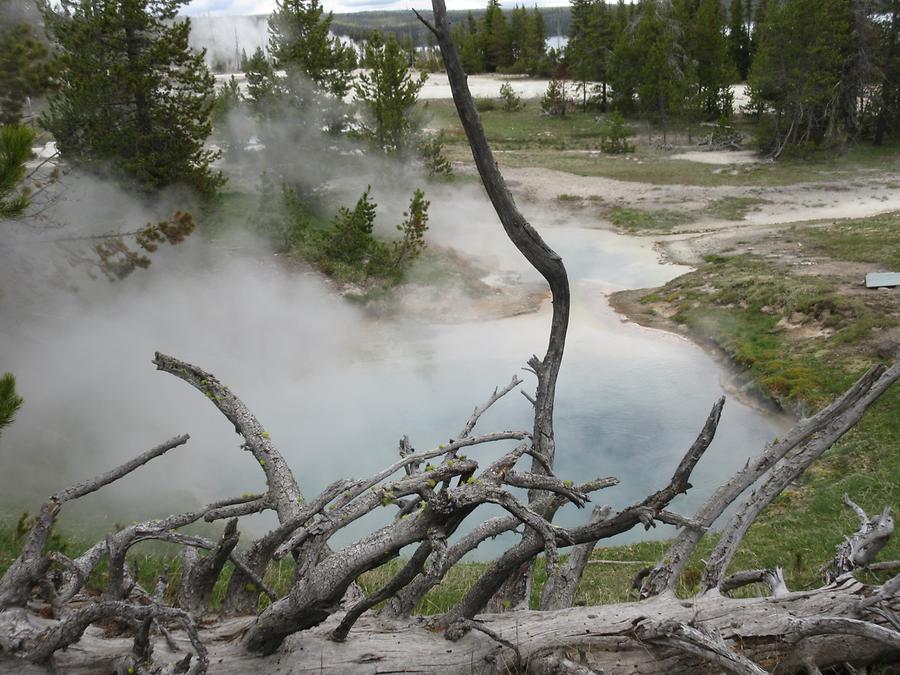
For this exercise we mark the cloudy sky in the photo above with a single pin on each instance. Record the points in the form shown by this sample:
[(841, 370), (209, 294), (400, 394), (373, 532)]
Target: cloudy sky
[(243, 7)]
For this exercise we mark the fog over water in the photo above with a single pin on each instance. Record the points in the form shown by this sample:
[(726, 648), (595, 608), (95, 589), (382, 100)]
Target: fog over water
[(337, 386)]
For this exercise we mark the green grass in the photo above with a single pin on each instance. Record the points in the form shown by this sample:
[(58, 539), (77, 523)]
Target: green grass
[(522, 129), (740, 302), (872, 240), (629, 218), (659, 220), (525, 138), (734, 208), (604, 582)]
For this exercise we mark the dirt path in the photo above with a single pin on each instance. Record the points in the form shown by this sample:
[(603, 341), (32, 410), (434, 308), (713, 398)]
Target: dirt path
[(866, 195)]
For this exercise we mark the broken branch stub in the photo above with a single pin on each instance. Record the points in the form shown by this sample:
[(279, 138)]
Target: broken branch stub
[(861, 547)]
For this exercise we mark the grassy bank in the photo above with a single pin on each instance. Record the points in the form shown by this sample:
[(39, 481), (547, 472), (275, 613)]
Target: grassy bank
[(802, 328)]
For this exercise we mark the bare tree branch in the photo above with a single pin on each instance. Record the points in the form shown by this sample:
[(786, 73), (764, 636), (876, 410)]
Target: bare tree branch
[(401, 579), (405, 601), (666, 572), (559, 591), (283, 489), (69, 630), (525, 238), (774, 579), (479, 411), (785, 472), (827, 625), (500, 570), (199, 575), (31, 564)]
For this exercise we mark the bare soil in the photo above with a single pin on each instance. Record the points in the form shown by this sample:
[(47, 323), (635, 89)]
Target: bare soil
[(868, 195)]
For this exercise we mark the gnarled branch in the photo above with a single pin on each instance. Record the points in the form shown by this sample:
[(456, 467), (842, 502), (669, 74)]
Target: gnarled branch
[(31, 565)]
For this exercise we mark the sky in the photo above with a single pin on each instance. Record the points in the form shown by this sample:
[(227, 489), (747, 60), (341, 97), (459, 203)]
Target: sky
[(245, 7)]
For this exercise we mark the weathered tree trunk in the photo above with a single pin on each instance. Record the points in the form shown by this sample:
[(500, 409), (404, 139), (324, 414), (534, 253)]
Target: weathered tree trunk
[(614, 639), (32, 564)]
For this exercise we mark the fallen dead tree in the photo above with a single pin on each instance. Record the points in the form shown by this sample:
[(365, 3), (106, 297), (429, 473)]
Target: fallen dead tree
[(722, 137), (323, 622)]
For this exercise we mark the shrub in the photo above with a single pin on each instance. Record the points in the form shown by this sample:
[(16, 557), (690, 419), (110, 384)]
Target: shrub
[(412, 229), (614, 135), (431, 152), (555, 103), (510, 100), (346, 248)]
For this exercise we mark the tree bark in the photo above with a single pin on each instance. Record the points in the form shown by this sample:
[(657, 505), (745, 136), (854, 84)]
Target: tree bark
[(770, 632)]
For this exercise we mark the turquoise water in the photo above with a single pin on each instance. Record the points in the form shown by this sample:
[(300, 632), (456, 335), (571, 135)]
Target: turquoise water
[(337, 388)]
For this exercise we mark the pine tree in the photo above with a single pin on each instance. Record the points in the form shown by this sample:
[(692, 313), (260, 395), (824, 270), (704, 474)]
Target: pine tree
[(260, 82), (647, 69), (301, 45), (24, 70), (518, 21), (535, 43), (133, 99), (10, 401), (587, 53), (887, 101), (469, 38), (555, 102), (387, 92), (431, 152), (625, 67), (15, 150), (228, 100), (511, 101), (661, 86), (760, 12), (580, 48), (604, 35), (496, 46), (713, 71), (798, 71), (614, 135), (350, 241), (739, 39), (412, 231)]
